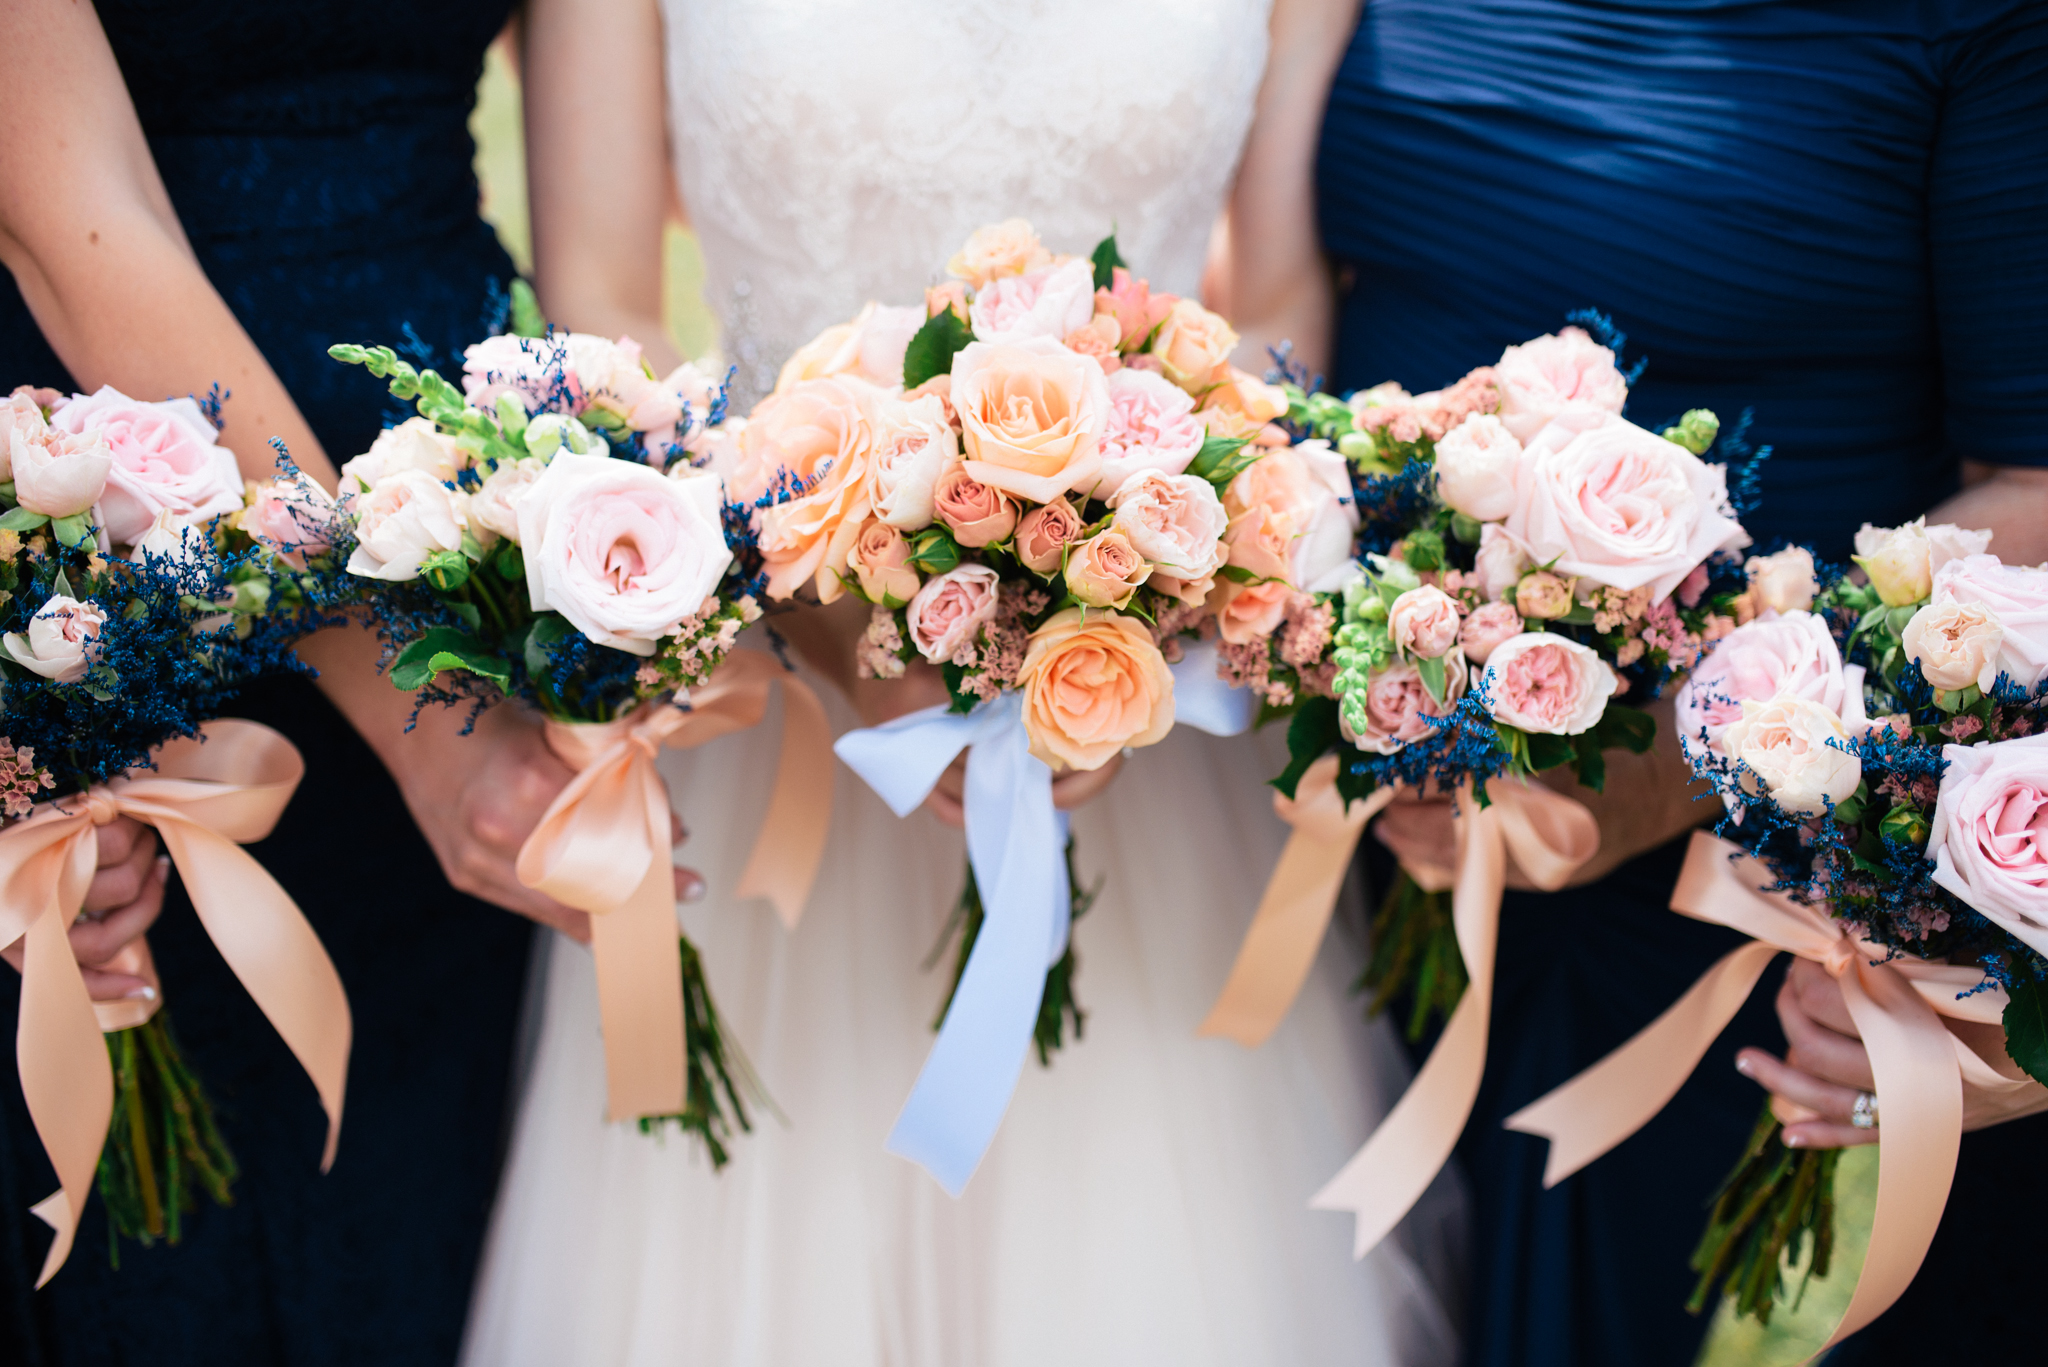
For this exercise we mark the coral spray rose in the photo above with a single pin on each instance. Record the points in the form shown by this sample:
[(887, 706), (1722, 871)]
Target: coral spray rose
[(1043, 535), (1032, 416), (1092, 683), (949, 610), (1104, 571), (976, 514), (880, 561)]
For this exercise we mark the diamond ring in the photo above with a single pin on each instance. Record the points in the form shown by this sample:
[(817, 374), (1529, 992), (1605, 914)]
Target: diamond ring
[(1863, 1115)]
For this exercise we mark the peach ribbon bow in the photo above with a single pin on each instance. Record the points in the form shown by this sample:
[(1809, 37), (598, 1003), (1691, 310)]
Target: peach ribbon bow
[(205, 801), (1549, 836), (602, 847), (1899, 1006)]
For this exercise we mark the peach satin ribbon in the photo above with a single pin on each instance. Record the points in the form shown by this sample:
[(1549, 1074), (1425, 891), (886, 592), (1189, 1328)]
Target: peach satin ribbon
[(1917, 1061), (205, 801), (1549, 836), (602, 846)]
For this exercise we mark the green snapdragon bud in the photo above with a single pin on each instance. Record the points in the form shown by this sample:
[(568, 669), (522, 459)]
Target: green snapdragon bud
[(251, 598), (1356, 446), (511, 416), (445, 570), (1695, 431)]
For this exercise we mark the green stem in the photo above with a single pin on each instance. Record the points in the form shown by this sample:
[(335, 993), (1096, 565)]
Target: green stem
[(1414, 953), (163, 1142), (716, 1073), (1057, 1005), (1776, 1206)]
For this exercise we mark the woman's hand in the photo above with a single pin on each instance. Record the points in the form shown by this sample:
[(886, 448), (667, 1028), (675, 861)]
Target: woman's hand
[(122, 902), (1069, 790), (1826, 1066)]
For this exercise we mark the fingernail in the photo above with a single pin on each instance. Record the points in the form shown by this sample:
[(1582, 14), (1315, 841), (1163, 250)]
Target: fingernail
[(1744, 1065), (1795, 1141), (693, 891), (163, 866), (145, 993)]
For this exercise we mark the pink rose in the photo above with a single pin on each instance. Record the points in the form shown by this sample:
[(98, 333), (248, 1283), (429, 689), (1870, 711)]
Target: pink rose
[(1487, 627), (1424, 622), (1137, 310), (1540, 379), (2019, 597), (976, 514), (1793, 655), (1174, 521), (1989, 836), (1249, 612), (164, 456), (621, 550), (1032, 416), (1499, 564), (880, 561), (1001, 249), (1309, 485), (1955, 645), (289, 517), (1049, 302), (1610, 502), (1475, 468), (406, 518), (1546, 683), (62, 475), (1152, 426), (62, 640), (1397, 701), (1795, 748), (1093, 683), (1104, 571), (913, 443), (1043, 534), (950, 609), (1192, 346)]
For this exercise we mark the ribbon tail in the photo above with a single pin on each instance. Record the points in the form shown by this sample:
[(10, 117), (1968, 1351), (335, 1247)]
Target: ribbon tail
[(1287, 930), (1617, 1096), (1384, 1179), (784, 863), (640, 983), (66, 1077)]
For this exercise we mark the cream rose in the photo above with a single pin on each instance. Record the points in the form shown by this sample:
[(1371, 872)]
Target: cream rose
[(1093, 683), (1152, 426), (414, 444), (1784, 582), (621, 550), (1032, 416), (1051, 302), (1901, 561), (1795, 747), (1475, 468), (1192, 344), (1540, 379), (1955, 644), (1175, 521), (1547, 683), (1000, 249), (62, 640), (2019, 597), (913, 443), (1424, 622), (491, 506), (406, 518), (950, 609), (62, 475)]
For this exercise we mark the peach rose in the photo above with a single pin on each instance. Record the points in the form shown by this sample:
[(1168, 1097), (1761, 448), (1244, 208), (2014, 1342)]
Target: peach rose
[(1174, 521), (1486, 627), (950, 610), (976, 514), (1543, 595), (880, 561), (1308, 486), (1105, 570), (1137, 310), (1049, 302), (1424, 622), (1784, 582), (1151, 427), (1032, 416), (1540, 379), (1397, 705), (821, 432), (998, 250), (871, 347), (1093, 683), (1249, 612), (1257, 542), (1043, 534), (1546, 683), (62, 640), (1192, 345), (949, 296)]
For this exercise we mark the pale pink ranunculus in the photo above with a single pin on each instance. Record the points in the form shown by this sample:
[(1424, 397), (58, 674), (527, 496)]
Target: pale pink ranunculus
[(1540, 379), (1989, 835), (1093, 683), (1475, 468), (1486, 627), (821, 432), (1032, 416), (913, 443), (164, 456), (998, 250), (62, 475), (415, 444), (950, 609), (2019, 597), (62, 639), (1397, 704), (1137, 310), (1043, 535), (880, 561), (1050, 302), (1791, 654), (406, 518), (1192, 346), (1955, 645), (1616, 505), (976, 514), (1795, 747), (288, 517), (1248, 612), (1424, 622), (1152, 426), (491, 510), (1175, 521), (1499, 563), (1783, 582), (1541, 682), (1105, 570), (1309, 487), (621, 550)]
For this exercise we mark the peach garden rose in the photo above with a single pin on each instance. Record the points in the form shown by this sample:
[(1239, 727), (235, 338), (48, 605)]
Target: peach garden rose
[(1093, 682), (1032, 416)]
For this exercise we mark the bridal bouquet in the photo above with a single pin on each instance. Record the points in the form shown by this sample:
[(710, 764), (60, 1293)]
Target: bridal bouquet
[(1027, 478), (545, 534), (141, 582)]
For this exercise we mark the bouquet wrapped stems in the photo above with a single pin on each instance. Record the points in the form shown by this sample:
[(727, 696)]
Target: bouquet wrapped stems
[(714, 1066), (1414, 951), (1058, 1006), (1773, 1203), (163, 1146)]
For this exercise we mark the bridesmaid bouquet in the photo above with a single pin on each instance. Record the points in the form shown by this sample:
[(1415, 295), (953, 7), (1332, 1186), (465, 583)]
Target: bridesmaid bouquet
[(141, 583), (545, 533), (1026, 478)]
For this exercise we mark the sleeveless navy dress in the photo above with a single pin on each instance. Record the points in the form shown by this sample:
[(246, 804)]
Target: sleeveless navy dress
[(319, 158), (1836, 213)]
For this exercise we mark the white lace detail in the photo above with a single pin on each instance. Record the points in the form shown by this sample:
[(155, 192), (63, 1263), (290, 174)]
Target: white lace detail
[(836, 151)]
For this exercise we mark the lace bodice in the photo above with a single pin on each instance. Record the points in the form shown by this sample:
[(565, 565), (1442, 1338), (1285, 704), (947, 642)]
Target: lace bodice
[(832, 151)]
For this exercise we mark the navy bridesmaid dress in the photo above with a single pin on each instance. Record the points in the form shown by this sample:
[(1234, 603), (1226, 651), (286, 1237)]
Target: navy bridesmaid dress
[(319, 158), (1835, 213)]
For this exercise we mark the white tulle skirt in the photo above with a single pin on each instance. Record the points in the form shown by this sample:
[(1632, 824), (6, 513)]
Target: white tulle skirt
[(1145, 1201)]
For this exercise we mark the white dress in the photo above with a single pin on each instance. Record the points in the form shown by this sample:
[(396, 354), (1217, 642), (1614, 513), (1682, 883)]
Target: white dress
[(1145, 1201)]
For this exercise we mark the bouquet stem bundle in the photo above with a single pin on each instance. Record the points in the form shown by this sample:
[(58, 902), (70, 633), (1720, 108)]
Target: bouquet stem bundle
[(163, 1145), (1414, 951), (1059, 1005), (712, 1063), (1775, 1202)]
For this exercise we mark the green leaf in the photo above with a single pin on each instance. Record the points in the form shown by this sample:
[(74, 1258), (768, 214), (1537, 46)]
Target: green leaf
[(1592, 761), (932, 346), (547, 629), (469, 613), (1106, 261), (511, 562), (21, 520), (1581, 615), (1223, 459), (1312, 734), (955, 675), (61, 585), (74, 531), (442, 648), (1238, 574), (1432, 672), (526, 315), (2026, 1024), (1626, 728), (1548, 752)]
